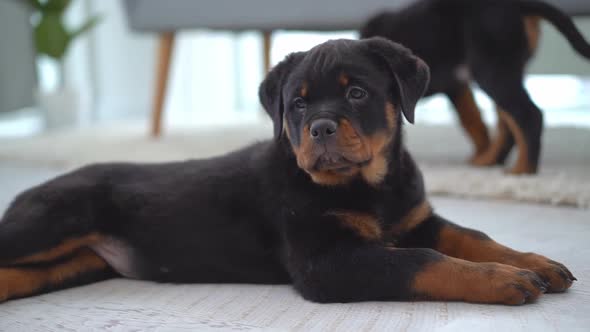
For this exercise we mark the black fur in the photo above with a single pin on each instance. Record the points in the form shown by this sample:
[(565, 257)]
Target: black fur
[(254, 216)]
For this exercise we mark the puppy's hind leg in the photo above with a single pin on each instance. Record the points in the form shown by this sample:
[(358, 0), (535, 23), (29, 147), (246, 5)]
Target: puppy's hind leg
[(81, 267), (45, 237), (521, 117)]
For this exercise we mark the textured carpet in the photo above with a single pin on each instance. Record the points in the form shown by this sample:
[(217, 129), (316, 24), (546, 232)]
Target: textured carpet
[(441, 151), (126, 305)]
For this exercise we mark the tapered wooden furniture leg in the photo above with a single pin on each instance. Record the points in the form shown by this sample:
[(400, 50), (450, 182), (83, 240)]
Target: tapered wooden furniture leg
[(165, 49), (267, 35)]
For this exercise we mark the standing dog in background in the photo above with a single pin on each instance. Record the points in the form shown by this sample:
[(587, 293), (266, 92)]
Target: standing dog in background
[(490, 42)]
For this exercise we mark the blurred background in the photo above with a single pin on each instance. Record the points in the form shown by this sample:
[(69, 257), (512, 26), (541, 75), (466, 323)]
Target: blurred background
[(85, 81), (109, 73)]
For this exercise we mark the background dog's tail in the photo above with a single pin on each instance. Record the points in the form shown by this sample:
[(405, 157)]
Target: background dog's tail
[(561, 21)]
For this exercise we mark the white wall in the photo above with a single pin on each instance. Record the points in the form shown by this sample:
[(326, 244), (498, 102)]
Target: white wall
[(111, 67), (124, 62), (17, 74), (556, 56), (214, 75)]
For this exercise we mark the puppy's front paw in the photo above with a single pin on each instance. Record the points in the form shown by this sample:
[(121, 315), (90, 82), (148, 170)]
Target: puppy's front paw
[(513, 286), (454, 279), (556, 275)]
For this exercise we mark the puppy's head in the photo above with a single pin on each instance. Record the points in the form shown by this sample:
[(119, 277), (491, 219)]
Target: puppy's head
[(339, 105)]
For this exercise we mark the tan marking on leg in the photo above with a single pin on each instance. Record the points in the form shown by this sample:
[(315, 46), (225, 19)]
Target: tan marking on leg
[(20, 282), (533, 32), (364, 224), (461, 243), (522, 165), (464, 244), (470, 118), (66, 247), (413, 218), (491, 154), (452, 279)]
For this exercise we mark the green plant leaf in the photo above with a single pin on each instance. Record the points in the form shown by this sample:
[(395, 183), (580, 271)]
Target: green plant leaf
[(93, 21), (36, 4), (51, 37), (57, 5)]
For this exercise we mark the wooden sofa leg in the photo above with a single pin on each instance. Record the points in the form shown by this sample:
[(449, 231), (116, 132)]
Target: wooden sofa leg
[(165, 48), (267, 36)]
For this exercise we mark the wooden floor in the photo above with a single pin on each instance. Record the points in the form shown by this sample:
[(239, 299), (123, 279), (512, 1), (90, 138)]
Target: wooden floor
[(123, 305)]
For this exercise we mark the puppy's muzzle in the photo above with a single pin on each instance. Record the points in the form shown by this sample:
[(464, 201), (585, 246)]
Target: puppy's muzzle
[(323, 130)]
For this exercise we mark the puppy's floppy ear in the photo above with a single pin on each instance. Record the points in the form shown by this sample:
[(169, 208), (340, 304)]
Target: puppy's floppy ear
[(271, 90), (411, 74)]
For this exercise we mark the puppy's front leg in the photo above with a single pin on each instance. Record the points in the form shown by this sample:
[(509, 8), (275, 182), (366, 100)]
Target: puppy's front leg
[(456, 241), (372, 272)]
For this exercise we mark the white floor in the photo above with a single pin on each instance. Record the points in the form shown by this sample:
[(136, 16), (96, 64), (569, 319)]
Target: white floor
[(123, 305)]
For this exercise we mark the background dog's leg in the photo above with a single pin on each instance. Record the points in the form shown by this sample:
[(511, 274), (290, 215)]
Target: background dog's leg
[(470, 118), (497, 52), (525, 122), (456, 241), (81, 267), (498, 150), (518, 113)]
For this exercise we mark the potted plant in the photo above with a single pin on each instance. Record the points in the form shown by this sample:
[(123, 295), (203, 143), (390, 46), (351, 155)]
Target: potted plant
[(53, 39)]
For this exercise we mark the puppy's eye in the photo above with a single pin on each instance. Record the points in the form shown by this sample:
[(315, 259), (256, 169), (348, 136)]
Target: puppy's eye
[(299, 103), (356, 93)]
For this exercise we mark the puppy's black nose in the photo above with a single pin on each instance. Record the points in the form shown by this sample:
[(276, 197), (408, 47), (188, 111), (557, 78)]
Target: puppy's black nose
[(322, 129)]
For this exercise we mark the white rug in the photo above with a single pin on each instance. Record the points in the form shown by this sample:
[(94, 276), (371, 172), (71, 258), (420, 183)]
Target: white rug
[(121, 305), (441, 151)]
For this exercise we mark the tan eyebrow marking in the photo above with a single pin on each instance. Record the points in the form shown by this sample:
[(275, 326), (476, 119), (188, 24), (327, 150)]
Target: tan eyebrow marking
[(304, 89), (343, 79)]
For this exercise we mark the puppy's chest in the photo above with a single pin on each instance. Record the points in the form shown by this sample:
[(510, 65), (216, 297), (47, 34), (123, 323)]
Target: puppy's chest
[(373, 225)]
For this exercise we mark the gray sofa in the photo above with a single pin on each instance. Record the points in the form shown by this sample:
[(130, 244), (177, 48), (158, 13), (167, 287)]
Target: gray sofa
[(158, 15), (166, 17)]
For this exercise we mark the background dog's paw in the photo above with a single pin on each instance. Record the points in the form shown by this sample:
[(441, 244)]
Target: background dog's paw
[(483, 159)]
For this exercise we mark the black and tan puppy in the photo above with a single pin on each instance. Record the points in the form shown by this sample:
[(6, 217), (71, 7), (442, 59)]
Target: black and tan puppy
[(489, 42), (334, 204)]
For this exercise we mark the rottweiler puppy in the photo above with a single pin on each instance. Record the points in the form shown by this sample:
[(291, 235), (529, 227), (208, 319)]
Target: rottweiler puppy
[(489, 42), (333, 204)]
